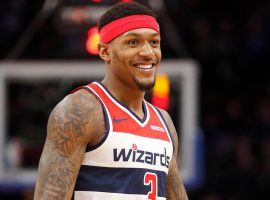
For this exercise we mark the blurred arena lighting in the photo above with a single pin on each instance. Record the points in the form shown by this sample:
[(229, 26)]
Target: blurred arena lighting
[(92, 40), (75, 17), (184, 80), (96, 1), (72, 19), (78, 18), (161, 92)]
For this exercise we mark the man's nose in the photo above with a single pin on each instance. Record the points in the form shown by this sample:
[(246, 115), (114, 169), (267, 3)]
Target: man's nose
[(146, 50)]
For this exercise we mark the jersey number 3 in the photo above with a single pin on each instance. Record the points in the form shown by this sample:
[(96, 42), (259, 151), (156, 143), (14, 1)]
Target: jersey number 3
[(152, 180)]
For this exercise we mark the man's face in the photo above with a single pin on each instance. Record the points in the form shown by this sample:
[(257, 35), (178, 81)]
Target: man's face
[(135, 56)]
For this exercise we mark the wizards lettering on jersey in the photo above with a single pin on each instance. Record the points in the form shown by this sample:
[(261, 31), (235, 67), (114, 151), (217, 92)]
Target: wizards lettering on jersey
[(140, 156)]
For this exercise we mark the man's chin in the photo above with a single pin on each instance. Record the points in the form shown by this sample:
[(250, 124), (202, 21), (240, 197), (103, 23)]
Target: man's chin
[(145, 85)]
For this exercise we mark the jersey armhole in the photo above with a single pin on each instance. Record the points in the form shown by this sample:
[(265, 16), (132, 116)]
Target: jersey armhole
[(166, 124), (105, 115)]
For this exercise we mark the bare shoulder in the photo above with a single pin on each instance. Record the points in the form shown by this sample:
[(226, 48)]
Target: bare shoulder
[(171, 126), (81, 113), (167, 118), (74, 123), (174, 187)]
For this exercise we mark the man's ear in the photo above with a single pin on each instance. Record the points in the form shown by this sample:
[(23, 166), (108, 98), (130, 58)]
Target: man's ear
[(104, 52)]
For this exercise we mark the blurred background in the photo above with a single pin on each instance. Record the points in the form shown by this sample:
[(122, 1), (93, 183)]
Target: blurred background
[(230, 41)]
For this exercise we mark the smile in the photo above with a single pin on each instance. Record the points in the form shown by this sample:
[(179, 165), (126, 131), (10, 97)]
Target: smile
[(144, 66)]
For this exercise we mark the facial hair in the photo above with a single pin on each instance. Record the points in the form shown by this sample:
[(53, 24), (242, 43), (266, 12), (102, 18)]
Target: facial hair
[(142, 86)]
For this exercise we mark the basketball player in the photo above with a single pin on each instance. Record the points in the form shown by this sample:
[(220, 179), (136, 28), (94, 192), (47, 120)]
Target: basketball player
[(104, 141)]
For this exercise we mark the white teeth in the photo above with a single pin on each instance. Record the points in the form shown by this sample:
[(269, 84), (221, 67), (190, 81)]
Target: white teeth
[(148, 66)]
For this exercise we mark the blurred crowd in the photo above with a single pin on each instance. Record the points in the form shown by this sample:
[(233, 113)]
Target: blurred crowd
[(231, 42)]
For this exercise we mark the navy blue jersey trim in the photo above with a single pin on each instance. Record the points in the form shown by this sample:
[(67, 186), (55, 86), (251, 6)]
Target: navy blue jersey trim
[(166, 124), (129, 110), (118, 180), (72, 197), (107, 124), (106, 132)]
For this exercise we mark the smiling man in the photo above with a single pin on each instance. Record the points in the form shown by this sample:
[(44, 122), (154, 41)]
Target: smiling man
[(104, 141)]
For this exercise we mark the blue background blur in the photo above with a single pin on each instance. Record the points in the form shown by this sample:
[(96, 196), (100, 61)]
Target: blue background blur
[(231, 42)]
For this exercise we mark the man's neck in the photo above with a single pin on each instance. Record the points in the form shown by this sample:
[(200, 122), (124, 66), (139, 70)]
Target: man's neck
[(131, 97)]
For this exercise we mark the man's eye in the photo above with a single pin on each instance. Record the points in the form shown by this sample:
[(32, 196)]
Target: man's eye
[(155, 42), (132, 42)]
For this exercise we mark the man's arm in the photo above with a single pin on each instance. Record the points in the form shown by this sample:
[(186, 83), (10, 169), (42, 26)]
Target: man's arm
[(175, 188), (70, 129)]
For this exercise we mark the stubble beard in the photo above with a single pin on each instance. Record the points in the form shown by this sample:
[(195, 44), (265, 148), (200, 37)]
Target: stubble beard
[(144, 86), (141, 85)]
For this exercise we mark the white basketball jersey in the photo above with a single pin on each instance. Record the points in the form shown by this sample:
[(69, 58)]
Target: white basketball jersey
[(131, 162)]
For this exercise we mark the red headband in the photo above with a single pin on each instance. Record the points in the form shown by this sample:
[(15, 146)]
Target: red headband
[(122, 25)]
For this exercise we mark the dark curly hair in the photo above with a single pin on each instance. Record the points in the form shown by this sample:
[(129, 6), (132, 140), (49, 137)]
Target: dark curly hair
[(122, 10)]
